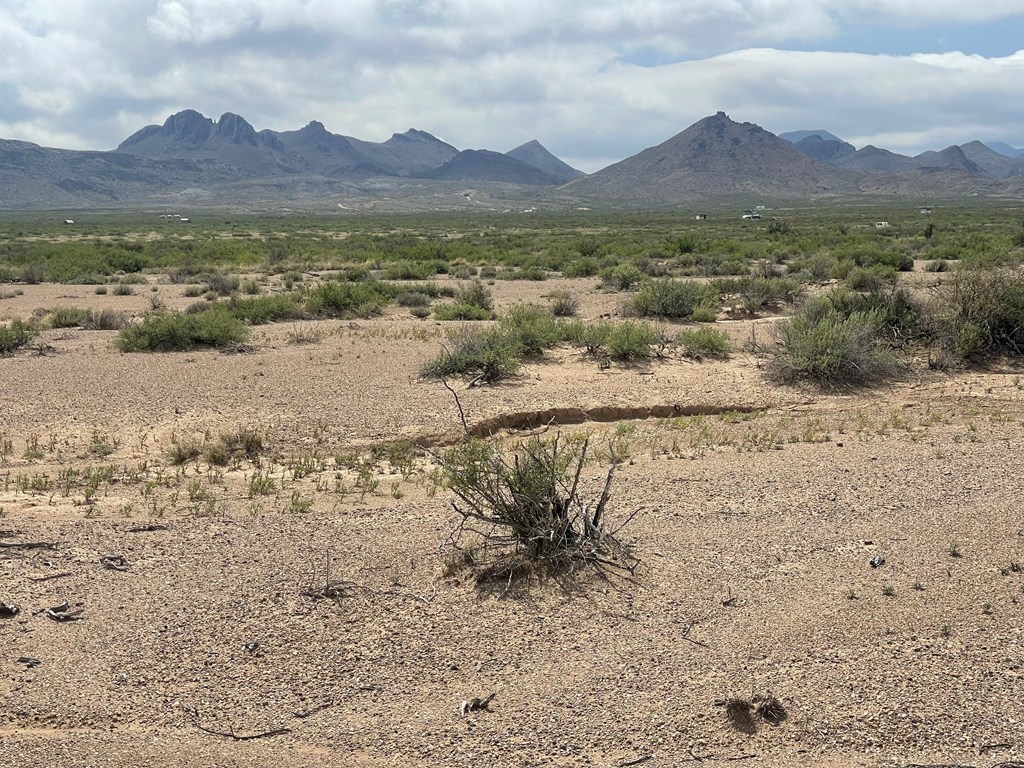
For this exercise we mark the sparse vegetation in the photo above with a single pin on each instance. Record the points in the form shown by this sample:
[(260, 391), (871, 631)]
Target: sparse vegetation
[(175, 332), (527, 511)]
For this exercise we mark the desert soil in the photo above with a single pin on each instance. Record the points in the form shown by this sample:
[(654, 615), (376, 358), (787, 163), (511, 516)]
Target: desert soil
[(756, 531)]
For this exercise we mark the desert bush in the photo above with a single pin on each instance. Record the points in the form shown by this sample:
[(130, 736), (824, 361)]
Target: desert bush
[(673, 299), (585, 267), (490, 355), (700, 343), (937, 265), (410, 299), (461, 312), (526, 511), (194, 291), (531, 328), (623, 277), (333, 299), (902, 318), (106, 320), (251, 288), (183, 451), (124, 289), (475, 294), (101, 290), (759, 293), (630, 340), (264, 309), (704, 315), (873, 278), (14, 336), (222, 283), (70, 317), (831, 350), (420, 312), (979, 313), (173, 332), (564, 303)]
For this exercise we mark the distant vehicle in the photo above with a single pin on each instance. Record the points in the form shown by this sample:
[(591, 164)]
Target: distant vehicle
[(751, 215)]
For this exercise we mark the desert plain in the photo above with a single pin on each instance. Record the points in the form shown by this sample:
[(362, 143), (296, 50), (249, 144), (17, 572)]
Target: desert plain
[(854, 554)]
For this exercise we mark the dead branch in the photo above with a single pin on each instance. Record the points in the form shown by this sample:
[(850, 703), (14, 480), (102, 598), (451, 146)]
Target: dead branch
[(635, 761), (244, 736), (458, 404), (63, 612), (51, 577), (28, 544), (147, 528)]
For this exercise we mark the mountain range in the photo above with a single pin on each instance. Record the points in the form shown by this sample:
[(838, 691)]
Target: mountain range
[(193, 160)]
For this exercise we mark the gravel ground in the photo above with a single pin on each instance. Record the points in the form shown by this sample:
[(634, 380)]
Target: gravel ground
[(756, 534)]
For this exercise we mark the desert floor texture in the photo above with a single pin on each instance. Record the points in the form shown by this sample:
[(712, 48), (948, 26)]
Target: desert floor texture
[(758, 510)]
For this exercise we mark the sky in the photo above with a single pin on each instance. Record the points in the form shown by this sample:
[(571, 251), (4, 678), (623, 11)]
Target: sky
[(595, 81)]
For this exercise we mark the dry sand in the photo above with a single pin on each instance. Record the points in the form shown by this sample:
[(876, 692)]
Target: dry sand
[(756, 534)]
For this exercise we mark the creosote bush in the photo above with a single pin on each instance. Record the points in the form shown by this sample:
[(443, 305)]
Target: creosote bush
[(831, 350), (526, 511), (173, 332), (672, 299), (14, 336), (704, 342)]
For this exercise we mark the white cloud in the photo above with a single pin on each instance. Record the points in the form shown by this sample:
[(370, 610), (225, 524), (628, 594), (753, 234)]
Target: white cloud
[(495, 73)]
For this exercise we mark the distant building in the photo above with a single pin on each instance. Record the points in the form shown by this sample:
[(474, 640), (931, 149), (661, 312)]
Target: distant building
[(183, 218), (702, 217), (881, 224), (69, 221), (926, 211)]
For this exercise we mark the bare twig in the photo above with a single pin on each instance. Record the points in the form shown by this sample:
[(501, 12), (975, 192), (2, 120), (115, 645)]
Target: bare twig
[(28, 544), (302, 715), (635, 761), (244, 737), (458, 404), (686, 636), (51, 577)]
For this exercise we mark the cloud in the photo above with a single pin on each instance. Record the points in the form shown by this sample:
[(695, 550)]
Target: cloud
[(494, 73)]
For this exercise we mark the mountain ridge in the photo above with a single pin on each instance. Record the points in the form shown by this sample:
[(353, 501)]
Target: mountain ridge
[(193, 158)]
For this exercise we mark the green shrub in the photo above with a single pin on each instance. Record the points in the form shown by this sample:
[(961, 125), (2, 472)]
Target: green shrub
[(831, 350), (475, 294), (175, 332), (420, 312), (873, 278), (124, 289), (980, 313), (704, 342), (564, 303), (937, 265), (251, 288), (704, 315), (673, 299), (585, 267), (14, 336), (490, 354), (70, 317), (409, 299), (332, 299), (264, 309), (623, 277), (222, 284), (462, 312), (531, 328), (106, 320), (631, 340), (101, 290)]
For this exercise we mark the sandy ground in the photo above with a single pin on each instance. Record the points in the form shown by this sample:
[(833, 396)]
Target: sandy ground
[(756, 533)]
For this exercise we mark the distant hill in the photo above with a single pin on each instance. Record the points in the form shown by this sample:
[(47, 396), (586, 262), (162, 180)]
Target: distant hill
[(484, 165), (715, 157), (192, 160), (993, 163), (188, 134), (535, 154), (825, 150), (797, 136), (1005, 149)]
